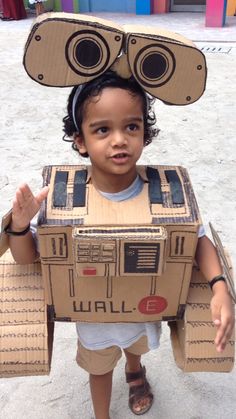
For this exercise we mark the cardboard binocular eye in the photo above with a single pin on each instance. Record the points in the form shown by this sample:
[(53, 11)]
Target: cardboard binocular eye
[(168, 68), (62, 51), (67, 50)]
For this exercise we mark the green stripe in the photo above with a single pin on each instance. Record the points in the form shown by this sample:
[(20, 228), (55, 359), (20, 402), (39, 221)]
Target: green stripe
[(57, 5), (76, 6)]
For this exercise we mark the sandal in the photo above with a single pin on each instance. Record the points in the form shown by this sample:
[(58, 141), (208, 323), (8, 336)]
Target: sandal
[(139, 392)]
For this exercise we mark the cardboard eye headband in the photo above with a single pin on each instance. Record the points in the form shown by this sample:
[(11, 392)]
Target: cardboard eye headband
[(69, 49)]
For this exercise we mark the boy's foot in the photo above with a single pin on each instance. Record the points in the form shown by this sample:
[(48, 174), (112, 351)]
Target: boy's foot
[(140, 395)]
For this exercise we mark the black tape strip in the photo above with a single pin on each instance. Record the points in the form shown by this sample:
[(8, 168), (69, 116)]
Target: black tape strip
[(175, 186), (154, 187), (60, 189), (79, 188)]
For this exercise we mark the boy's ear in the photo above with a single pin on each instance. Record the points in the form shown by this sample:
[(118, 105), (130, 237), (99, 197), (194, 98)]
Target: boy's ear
[(80, 144)]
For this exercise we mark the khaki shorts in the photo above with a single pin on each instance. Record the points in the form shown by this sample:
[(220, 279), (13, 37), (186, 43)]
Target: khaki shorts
[(99, 362)]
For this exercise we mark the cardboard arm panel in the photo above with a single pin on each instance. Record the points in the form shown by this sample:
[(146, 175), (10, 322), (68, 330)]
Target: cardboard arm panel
[(4, 245), (225, 263), (192, 338)]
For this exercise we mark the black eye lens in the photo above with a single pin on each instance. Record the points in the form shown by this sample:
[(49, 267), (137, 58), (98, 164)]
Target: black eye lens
[(87, 53), (154, 66)]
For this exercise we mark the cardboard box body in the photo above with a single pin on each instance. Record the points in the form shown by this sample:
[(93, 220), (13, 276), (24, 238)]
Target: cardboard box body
[(193, 336), (25, 336), (111, 262), (126, 261)]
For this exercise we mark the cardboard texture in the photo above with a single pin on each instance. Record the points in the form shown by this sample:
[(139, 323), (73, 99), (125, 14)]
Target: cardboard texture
[(113, 266), (193, 337), (117, 265), (25, 336), (3, 236), (165, 64)]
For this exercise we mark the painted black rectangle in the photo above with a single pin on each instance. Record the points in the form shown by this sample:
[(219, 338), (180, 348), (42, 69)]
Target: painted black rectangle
[(175, 187), (60, 189), (79, 188), (141, 257), (154, 187)]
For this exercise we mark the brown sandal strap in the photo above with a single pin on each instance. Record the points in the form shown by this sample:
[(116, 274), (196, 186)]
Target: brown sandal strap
[(136, 393), (133, 376), (139, 391)]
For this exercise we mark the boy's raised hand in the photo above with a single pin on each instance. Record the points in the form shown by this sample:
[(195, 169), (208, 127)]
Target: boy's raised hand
[(25, 206), (223, 316)]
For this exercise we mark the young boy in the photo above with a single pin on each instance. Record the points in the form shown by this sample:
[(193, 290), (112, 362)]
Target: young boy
[(110, 121)]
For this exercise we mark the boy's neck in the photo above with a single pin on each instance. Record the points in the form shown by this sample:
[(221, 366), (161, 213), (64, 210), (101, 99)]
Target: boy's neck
[(113, 183)]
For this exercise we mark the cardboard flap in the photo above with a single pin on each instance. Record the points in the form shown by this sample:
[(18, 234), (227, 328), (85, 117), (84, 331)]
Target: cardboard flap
[(3, 236), (225, 262), (192, 337), (26, 336), (175, 342)]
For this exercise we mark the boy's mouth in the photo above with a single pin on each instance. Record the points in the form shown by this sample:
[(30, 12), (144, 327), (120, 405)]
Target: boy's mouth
[(120, 157)]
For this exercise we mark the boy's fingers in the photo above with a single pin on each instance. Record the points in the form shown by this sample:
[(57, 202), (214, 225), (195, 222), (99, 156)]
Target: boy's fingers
[(15, 205), (223, 335), (42, 194), (216, 315), (19, 198), (26, 192)]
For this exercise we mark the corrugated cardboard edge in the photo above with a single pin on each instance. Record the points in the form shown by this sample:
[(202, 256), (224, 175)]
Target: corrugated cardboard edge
[(201, 315), (3, 236), (25, 333), (77, 18), (225, 262), (220, 364)]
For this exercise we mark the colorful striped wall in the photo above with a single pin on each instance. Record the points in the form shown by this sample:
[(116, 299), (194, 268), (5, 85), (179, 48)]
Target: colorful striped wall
[(231, 7), (215, 13), (71, 6)]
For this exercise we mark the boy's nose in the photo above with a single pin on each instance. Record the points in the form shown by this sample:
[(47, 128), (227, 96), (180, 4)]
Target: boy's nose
[(118, 139)]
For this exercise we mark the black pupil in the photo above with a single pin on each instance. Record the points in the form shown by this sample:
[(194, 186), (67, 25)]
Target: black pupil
[(154, 66), (87, 53)]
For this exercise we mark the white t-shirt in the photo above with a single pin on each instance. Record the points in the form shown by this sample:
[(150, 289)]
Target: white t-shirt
[(95, 336)]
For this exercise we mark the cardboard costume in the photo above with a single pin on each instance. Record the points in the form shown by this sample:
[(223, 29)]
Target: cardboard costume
[(115, 264)]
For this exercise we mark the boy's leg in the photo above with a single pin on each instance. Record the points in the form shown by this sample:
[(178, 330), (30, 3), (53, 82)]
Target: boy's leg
[(100, 387), (100, 365), (133, 365)]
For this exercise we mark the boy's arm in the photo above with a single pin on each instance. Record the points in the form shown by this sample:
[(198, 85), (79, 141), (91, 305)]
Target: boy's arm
[(25, 207), (221, 304)]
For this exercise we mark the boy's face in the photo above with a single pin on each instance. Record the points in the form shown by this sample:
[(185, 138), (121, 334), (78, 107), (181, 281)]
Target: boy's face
[(113, 136)]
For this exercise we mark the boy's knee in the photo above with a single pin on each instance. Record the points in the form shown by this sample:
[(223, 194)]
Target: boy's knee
[(98, 362)]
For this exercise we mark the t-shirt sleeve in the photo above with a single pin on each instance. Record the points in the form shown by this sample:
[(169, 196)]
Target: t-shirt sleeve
[(33, 229), (201, 231)]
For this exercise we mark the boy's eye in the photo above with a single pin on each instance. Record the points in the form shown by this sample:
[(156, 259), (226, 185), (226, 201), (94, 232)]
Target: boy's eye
[(102, 130), (132, 127)]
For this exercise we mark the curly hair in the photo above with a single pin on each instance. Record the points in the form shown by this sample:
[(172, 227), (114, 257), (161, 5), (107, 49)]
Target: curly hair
[(94, 88)]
